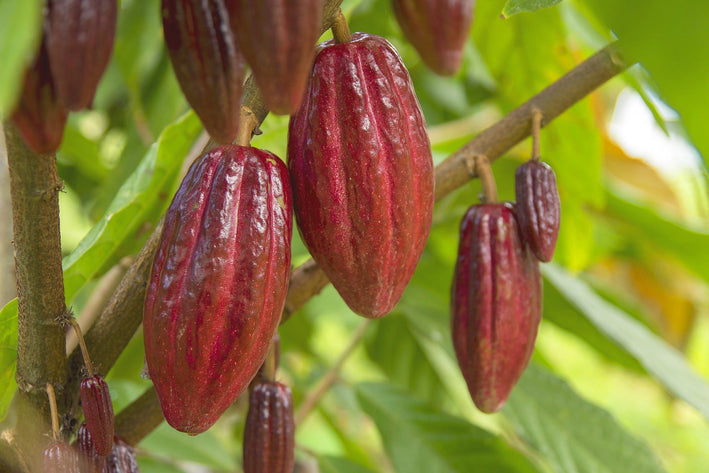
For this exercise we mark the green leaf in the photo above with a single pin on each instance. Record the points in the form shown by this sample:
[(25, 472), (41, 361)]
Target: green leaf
[(659, 359), (20, 22), (512, 7), (140, 200), (8, 355), (571, 433), (418, 438), (331, 464)]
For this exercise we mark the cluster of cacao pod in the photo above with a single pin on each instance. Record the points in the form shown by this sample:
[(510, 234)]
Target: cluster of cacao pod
[(496, 295), (77, 37)]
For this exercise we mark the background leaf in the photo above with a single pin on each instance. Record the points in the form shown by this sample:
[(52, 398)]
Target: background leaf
[(571, 433), (8, 355), (331, 464), (512, 7)]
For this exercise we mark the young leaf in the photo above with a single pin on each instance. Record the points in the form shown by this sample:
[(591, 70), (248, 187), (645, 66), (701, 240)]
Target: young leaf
[(659, 359), (418, 438), (512, 7), (571, 433)]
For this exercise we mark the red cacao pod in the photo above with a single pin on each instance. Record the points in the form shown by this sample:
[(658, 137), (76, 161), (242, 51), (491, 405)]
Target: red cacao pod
[(269, 432), (438, 29), (218, 283), (362, 172), (277, 38), (207, 62), (80, 37), (496, 304), (39, 116), (98, 412), (89, 459), (121, 459), (538, 207), (60, 458)]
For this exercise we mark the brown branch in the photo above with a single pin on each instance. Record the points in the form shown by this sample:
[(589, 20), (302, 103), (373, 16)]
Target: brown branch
[(308, 279), (140, 418)]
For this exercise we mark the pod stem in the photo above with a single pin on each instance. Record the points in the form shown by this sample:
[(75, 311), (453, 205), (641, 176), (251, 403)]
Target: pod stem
[(269, 366), (340, 29), (247, 124), (484, 171), (53, 411), (537, 117), (84, 351)]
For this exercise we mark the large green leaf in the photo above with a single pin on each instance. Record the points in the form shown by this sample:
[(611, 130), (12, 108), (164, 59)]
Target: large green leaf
[(141, 198), (512, 7), (330, 464), (659, 359), (8, 354), (20, 22), (418, 438), (669, 39), (571, 433)]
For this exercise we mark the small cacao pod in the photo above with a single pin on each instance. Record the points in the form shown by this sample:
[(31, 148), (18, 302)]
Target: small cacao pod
[(218, 283), (269, 432), (362, 172), (79, 42), (39, 116), (438, 29), (496, 304), (121, 459), (538, 207), (89, 459), (207, 62), (60, 457), (277, 38), (98, 412)]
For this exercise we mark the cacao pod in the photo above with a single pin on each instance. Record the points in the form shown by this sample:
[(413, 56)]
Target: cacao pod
[(538, 207), (269, 432), (121, 459), (80, 37), (98, 412), (277, 38), (60, 458), (39, 116), (89, 459), (207, 62), (362, 172), (438, 29), (218, 283), (496, 304)]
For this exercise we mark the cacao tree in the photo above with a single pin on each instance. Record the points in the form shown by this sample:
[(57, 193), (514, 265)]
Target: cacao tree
[(517, 286)]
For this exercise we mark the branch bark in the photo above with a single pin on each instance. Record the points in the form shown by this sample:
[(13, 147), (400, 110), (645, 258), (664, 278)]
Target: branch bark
[(308, 279), (7, 260)]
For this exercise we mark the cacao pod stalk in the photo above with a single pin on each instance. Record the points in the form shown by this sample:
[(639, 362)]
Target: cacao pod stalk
[(218, 283), (362, 172)]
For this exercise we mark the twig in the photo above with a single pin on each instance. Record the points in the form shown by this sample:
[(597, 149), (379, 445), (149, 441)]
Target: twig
[(312, 399), (537, 118)]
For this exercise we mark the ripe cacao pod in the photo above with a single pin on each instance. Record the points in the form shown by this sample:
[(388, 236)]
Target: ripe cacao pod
[(89, 459), (60, 457), (538, 207), (277, 38), (218, 283), (207, 62), (362, 172), (80, 37), (121, 459), (496, 304), (98, 412), (269, 432), (438, 29), (39, 116)]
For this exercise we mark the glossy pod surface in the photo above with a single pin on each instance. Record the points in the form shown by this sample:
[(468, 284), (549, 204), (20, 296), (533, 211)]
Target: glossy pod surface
[(60, 458), (89, 459), (207, 62), (277, 38), (362, 172), (98, 412), (496, 304), (121, 459), (438, 29), (538, 207), (269, 432), (80, 36), (218, 283)]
